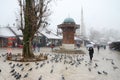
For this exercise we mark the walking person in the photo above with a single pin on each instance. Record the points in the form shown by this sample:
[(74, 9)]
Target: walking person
[(104, 46), (52, 46), (91, 51), (9, 53), (34, 46), (98, 48), (38, 47)]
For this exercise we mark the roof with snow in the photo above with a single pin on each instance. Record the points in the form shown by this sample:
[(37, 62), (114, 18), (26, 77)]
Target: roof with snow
[(17, 31), (13, 31), (50, 34), (5, 32)]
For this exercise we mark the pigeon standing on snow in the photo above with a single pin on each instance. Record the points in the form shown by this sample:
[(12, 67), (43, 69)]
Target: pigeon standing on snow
[(63, 78), (89, 69), (40, 78), (26, 75), (0, 70), (99, 72), (105, 72)]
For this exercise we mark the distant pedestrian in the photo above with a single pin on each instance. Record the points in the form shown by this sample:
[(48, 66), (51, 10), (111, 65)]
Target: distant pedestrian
[(104, 46), (78, 45), (52, 46), (34, 46), (16, 45), (9, 53), (38, 47), (13, 44), (98, 48), (91, 51)]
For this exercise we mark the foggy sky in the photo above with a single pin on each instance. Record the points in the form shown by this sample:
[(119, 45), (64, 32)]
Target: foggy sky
[(8, 10), (98, 14)]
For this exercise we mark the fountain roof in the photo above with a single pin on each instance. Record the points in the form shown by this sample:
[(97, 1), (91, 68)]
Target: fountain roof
[(68, 20)]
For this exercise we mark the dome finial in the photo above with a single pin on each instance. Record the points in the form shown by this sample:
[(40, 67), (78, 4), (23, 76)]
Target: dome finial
[(68, 15)]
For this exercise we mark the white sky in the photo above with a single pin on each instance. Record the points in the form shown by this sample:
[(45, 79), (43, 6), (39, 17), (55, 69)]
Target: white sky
[(97, 13), (8, 9)]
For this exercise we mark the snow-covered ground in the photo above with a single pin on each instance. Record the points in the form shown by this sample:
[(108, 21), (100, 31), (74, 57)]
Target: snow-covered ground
[(105, 66)]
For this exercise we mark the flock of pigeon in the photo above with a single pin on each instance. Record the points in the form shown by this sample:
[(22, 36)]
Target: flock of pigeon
[(20, 71)]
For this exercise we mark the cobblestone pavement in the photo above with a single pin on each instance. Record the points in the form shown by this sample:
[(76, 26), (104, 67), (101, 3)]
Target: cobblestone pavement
[(105, 66)]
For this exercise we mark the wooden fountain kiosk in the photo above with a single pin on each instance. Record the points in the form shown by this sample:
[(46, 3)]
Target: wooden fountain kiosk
[(68, 29)]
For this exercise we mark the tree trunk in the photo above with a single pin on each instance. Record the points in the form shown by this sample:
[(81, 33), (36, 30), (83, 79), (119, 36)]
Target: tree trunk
[(27, 48), (27, 33), (35, 16)]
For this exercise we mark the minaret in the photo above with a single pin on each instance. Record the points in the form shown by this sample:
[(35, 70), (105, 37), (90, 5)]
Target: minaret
[(82, 29)]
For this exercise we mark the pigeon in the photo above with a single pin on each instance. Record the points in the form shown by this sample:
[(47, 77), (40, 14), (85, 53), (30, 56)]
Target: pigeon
[(37, 63), (36, 67), (20, 65), (115, 67), (30, 69), (47, 61), (52, 66), (41, 65), (112, 63), (27, 64), (4, 60), (13, 66), (18, 77), (105, 72), (63, 78), (72, 63), (17, 64), (40, 78), (103, 58), (96, 65), (22, 69), (66, 68), (12, 70), (85, 64), (13, 73), (109, 59), (26, 75), (10, 63), (89, 69), (3, 55), (99, 72), (51, 71)]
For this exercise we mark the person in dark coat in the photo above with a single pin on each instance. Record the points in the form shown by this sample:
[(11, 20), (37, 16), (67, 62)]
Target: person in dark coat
[(98, 48), (104, 46), (34, 46), (91, 51)]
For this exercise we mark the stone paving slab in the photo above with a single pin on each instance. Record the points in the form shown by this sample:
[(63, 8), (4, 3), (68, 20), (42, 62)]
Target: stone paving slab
[(105, 66)]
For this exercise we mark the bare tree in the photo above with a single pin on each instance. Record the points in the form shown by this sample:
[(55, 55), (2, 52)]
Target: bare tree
[(33, 15), (94, 35)]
